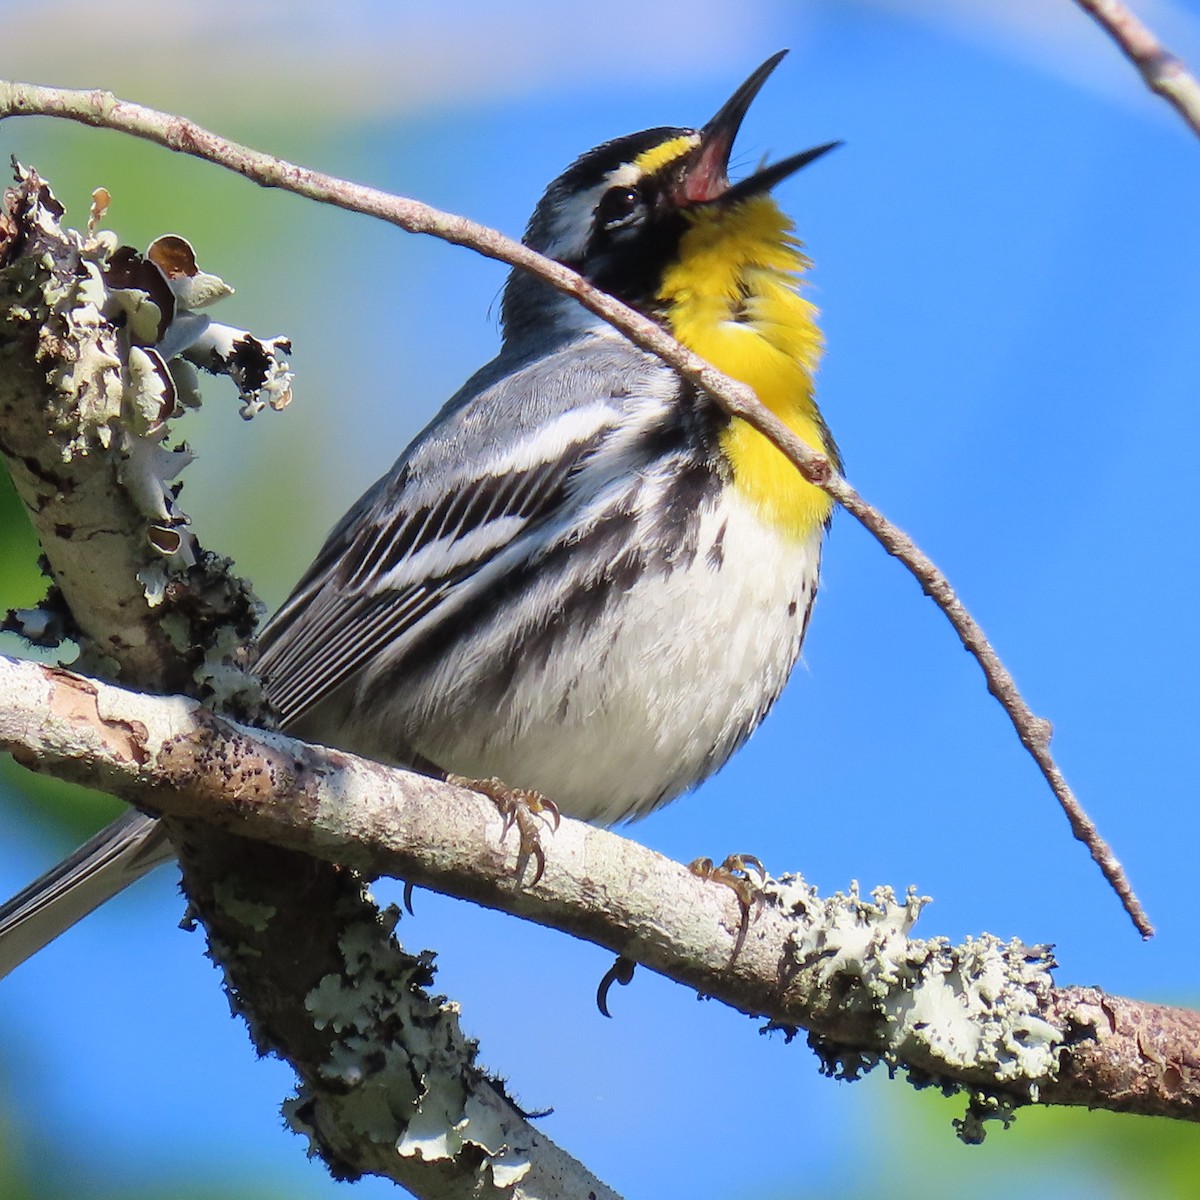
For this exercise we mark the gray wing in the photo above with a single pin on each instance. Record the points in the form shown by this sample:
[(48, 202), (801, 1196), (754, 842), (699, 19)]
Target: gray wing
[(519, 446)]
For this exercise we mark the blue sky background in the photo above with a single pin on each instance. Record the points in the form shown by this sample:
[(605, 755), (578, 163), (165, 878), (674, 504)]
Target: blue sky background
[(1005, 256)]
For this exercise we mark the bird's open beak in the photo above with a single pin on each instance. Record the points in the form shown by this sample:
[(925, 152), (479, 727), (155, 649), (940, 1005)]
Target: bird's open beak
[(707, 176)]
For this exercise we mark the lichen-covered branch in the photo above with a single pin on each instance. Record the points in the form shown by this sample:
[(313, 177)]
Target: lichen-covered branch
[(983, 1015), (389, 1084), (85, 401), (104, 109), (1163, 72), (96, 343)]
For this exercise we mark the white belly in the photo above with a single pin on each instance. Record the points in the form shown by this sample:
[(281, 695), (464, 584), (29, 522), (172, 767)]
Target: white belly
[(655, 693)]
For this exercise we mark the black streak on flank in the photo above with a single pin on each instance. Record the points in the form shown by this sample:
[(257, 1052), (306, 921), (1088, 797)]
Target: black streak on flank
[(609, 542), (716, 552), (532, 647), (691, 485)]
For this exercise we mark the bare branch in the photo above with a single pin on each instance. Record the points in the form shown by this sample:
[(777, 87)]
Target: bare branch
[(103, 109), (982, 1015), (1162, 71)]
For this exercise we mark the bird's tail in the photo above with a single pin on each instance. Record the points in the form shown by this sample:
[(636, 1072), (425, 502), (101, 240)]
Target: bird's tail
[(117, 856)]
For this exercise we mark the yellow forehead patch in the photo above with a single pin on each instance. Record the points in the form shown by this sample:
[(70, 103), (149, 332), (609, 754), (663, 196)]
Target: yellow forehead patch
[(666, 152)]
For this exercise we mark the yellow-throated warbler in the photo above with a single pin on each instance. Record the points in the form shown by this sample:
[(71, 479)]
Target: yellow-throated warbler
[(582, 578)]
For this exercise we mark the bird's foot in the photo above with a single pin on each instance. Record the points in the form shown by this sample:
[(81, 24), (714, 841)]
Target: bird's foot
[(524, 809), (736, 873)]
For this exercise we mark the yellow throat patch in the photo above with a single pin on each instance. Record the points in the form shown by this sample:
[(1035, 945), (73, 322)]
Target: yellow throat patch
[(732, 297)]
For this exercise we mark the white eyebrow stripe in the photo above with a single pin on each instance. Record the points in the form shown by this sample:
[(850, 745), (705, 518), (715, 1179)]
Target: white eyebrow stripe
[(572, 227)]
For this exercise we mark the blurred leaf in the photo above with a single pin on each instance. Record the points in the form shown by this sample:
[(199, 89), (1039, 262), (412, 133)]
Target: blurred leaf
[(1062, 1153), (21, 582), (76, 811)]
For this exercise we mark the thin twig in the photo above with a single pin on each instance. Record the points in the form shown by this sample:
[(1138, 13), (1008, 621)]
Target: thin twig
[(1162, 71), (102, 109)]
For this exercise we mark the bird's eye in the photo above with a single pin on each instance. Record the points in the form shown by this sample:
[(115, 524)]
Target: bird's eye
[(617, 206)]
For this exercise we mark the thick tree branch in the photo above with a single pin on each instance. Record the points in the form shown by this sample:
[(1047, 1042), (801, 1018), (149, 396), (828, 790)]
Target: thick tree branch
[(90, 334), (103, 109), (390, 1084), (1162, 71), (983, 1015)]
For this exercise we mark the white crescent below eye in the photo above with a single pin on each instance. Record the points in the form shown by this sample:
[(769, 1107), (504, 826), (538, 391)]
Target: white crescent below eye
[(619, 206)]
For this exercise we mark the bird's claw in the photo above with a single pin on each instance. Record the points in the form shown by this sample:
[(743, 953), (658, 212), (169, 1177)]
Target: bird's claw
[(736, 873), (519, 807), (620, 972)]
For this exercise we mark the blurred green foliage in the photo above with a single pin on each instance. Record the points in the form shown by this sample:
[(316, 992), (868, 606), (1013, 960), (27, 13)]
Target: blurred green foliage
[(75, 811), (196, 199), (199, 200), (21, 582), (912, 1153)]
